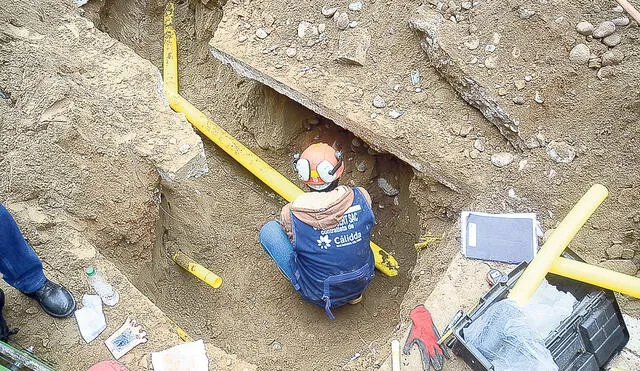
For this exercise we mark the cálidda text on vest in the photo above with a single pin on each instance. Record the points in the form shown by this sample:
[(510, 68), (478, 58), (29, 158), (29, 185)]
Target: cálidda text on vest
[(342, 235)]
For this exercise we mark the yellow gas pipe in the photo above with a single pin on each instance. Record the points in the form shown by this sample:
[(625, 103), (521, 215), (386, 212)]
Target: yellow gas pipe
[(557, 242), (598, 276), (386, 263), (190, 265)]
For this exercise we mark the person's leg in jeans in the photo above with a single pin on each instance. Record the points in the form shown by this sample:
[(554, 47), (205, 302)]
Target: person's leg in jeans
[(22, 269), (276, 243), (19, 264)]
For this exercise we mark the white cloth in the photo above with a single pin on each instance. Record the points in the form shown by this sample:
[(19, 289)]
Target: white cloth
[(188, 356), (90, 318)]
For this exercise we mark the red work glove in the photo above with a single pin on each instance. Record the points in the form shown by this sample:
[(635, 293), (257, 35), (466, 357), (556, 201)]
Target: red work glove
[(424, 334)]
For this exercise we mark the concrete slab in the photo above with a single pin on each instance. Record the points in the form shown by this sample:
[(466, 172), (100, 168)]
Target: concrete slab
[(426, 132)]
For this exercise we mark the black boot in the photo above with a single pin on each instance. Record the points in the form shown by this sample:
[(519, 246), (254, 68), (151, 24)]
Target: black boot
[(55, 300)]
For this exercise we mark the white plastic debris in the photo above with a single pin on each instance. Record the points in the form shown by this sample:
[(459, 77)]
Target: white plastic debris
[(188, 356), (547, 308), (90, 318)]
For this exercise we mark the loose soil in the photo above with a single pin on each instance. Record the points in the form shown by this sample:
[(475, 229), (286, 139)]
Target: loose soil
[(216, 218)]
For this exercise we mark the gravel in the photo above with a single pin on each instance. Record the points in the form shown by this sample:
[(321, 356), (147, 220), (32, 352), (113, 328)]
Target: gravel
[(560, 151), (328, 11), (612, 57), (604, 29), (395, 114), (580, 54), (379, 102), (612, 40), (584, 28), (502, 159), (342, 20), (355, 6)]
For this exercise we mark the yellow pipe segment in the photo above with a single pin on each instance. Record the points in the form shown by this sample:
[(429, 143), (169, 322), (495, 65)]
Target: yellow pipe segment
[(386, 263), (598, 276), (557, 242), (190, 265)]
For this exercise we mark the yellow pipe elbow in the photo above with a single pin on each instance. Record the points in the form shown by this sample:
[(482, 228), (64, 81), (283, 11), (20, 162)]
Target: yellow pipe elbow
[(557, 242), (202, 273), (598, 276)]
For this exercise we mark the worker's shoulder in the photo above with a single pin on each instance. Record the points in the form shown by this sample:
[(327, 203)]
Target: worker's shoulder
[(366, 194)]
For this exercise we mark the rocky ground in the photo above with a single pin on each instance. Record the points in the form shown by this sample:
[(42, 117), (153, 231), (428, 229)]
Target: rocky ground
[(497, 106)]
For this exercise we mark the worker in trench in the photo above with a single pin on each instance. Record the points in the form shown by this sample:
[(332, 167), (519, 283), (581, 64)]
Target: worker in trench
[(22, 269), (321, 243)]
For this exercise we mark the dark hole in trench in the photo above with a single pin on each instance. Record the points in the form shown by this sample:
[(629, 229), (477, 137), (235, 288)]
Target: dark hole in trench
[(256, 314)]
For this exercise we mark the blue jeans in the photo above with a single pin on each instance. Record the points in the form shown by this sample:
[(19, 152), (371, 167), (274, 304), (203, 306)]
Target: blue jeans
[(19, 264), (276, 243)]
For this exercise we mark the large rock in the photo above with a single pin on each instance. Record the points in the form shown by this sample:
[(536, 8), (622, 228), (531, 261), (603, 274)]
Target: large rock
[(353, 46)]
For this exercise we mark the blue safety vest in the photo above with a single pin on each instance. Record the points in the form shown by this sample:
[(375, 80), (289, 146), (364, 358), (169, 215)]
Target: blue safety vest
[(334, 266)]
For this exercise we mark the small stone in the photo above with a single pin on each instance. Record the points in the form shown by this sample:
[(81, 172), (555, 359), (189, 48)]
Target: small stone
[(604, 29), (495, 38), (515, 52), (472, 42), (595, 63), (620, 265), (618, 9), (291, 52), (528, 78), (606, 72), (276, 345), (621, 22), (353, 24), (415, 77), (612, 40), (612, 57), (361, 167), (479, 144), (184, 148), (490, 62), (387, 188), (522, 165), (342, 20), (502, 92), (614, 251), (490, 48), (473, 60), (525, 13), (552, 174), (261, 33), (355, 6), (353, 47), (584, 28), (395, 114), (242, 39), (628, 254), (502, 159), (580, 54), (520, 84), (356, 142), (374, 115), (518, 100), (418, 90), (303, 27), (322, 27), (560, 151), (465, 130), (474, 154), (379, 102), (328, 11), (538, 98), (467, 5)]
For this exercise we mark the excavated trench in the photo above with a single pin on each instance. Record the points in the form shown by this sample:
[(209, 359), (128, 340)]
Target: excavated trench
[(216, 218)]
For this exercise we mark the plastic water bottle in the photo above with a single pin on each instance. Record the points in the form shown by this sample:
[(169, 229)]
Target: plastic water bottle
[(107, 293)]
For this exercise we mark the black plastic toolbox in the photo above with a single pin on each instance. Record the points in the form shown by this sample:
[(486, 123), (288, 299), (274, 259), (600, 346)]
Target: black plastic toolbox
[(585, 341)]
